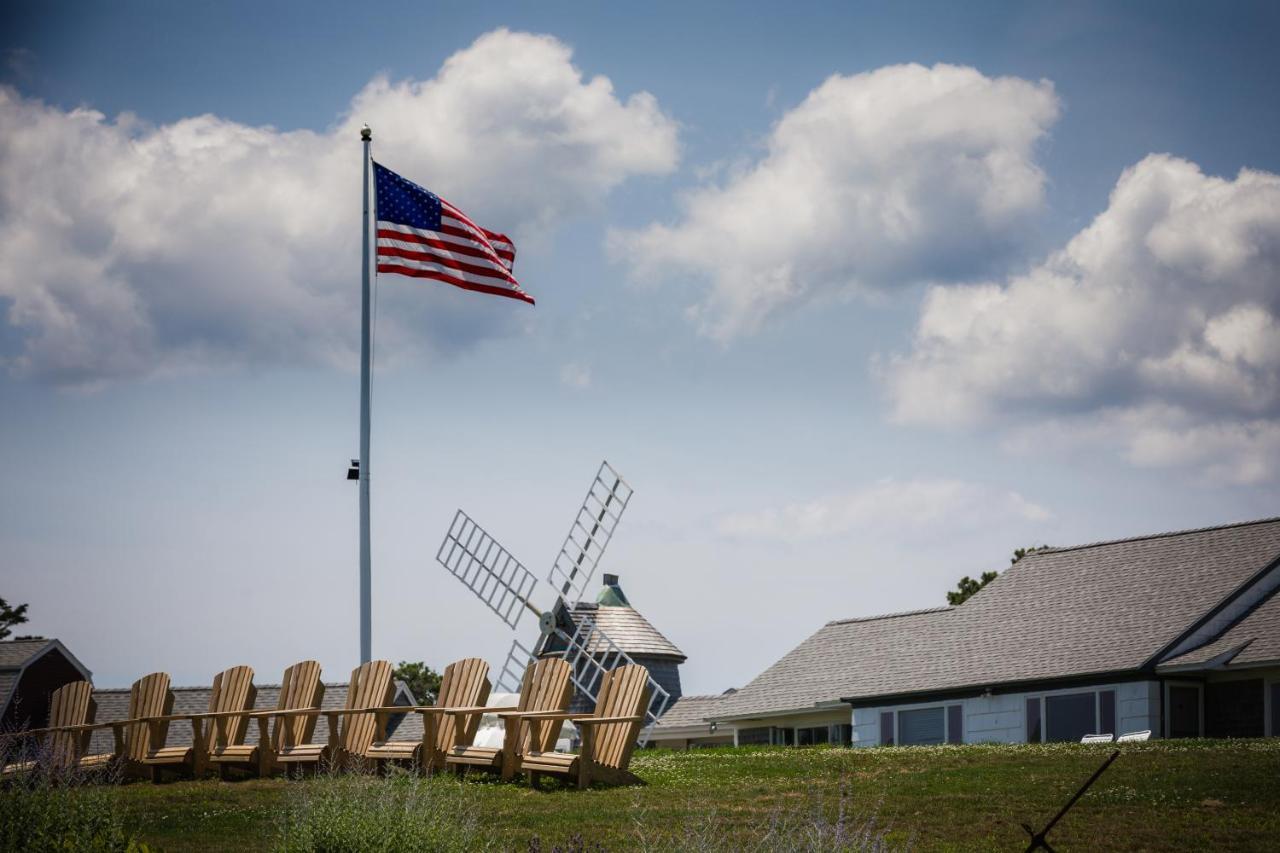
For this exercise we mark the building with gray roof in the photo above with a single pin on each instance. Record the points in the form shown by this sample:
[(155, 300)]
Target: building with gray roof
[(1178, 633), (31, 668), (686, 724)]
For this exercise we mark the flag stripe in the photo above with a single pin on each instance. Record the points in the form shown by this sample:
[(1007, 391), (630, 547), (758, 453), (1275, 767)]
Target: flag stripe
[(465, 285), (440, 257), (399, 238), (447, 234), (436, 264)]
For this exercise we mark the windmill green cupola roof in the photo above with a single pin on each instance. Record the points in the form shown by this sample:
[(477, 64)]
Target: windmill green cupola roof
[(611, 595)]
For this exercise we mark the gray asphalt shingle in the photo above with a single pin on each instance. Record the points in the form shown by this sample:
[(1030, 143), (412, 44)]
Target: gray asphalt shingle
[(687, 711), (633, 633)]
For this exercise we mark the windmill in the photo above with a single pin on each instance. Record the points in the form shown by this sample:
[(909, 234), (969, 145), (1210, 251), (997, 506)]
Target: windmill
[(508, 589)]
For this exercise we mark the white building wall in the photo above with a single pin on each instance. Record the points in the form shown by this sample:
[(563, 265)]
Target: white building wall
[(1001, 718)]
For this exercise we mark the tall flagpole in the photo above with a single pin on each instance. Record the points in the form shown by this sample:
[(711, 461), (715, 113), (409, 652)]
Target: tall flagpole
[(366, 369)]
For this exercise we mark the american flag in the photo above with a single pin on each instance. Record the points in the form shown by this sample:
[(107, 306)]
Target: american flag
[(422, 235)]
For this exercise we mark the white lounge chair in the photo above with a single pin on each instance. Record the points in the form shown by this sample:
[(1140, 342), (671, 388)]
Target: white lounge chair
[(1130, 737), (1106, 738)]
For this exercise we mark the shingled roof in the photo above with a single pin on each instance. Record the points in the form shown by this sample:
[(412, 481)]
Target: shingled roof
[(686, 711), (1252, 641), (631, 631), (1104, 608)]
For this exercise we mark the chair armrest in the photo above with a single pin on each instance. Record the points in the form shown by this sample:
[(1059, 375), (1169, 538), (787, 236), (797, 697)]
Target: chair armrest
[(200, 715), (598, 721), (290, 712), (541, 715), (393, 709), (89, 727), (478, 709)]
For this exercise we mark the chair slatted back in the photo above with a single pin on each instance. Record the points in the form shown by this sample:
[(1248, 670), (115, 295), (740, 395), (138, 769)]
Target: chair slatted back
[(300, 689), (547, 686), (71, 705), (233, 690), (150, 696), (370, 687), (465, 684), (624, 692)]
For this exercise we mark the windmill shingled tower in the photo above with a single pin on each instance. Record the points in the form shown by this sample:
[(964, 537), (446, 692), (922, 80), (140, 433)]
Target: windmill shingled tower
[(567, 627), (633, 634)]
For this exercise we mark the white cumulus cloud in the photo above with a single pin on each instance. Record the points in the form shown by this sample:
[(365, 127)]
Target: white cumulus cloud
[(898, 175), (899, 506), (1154, 329), (129, 249)]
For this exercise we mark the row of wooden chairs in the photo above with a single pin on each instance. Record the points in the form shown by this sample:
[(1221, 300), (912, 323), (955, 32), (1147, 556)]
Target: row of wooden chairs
[(358, 731)]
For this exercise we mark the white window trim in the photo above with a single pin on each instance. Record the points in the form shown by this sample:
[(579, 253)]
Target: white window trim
[(1097, 710), (897, 710)]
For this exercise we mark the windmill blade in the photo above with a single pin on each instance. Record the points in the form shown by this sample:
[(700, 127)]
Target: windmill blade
[(591, 653), (511, 677), (590, 533), (498, 579)]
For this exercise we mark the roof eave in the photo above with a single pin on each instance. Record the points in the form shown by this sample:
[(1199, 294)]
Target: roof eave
[(997, 687)]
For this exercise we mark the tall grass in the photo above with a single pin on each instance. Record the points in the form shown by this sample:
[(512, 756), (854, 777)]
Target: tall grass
[(815, 825), (366, 814), (63, 810)]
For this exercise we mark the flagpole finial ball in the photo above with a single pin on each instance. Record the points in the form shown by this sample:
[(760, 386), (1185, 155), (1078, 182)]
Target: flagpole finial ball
[(366, 133)]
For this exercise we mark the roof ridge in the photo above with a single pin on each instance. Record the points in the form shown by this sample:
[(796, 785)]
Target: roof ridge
[(1142, 538), (919, 612)]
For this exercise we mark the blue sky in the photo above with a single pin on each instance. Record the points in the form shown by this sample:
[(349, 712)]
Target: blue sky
[(859, 297)]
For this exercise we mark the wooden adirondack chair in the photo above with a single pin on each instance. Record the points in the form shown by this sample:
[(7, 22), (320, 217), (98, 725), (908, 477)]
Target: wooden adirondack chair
[(546, 687), (465, 684), (150, 701), (233, 695), (300, 689), (608, 736), (351, 728), (62, 743)]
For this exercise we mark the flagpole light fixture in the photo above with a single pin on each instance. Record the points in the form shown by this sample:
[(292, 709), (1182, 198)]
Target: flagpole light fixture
[(353, 473)]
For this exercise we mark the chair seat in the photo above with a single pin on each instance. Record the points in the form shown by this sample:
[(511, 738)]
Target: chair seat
[(303, 753), (239, 753), (549, 762), (168, 755), (100, 760), (480, 756), (20, 767), (394, 750)]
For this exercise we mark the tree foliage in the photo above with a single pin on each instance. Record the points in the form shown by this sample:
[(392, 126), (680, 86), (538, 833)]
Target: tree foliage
[(10, 616), (967, 586), (422, 680), (1019, 553)]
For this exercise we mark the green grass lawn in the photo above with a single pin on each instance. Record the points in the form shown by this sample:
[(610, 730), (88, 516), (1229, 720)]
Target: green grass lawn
[(1170, 795)]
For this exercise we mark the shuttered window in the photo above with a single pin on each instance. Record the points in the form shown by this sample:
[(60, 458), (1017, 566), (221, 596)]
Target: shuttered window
[(886, 728), (1107, 713), (922, 726), (955, 724)]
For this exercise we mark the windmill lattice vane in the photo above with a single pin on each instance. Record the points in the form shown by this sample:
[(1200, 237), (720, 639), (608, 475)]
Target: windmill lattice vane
[(507, 588)]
